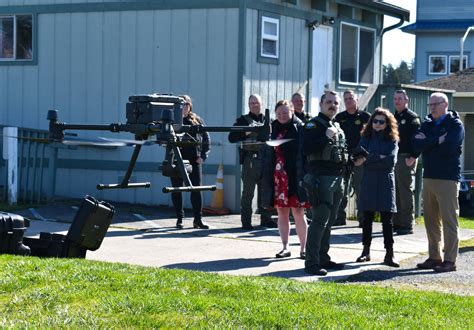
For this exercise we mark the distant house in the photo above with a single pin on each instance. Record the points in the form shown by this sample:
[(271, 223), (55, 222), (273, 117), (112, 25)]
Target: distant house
[(85, 58), (439, 27), (463, 102)]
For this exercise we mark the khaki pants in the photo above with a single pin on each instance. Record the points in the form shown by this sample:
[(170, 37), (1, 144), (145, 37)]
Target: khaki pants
[(441, 209)]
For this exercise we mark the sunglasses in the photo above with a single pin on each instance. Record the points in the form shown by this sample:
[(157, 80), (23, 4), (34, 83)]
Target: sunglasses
[(378, 121)]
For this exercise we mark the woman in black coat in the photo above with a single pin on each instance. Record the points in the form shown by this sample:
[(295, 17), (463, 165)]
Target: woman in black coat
[(196, 155), (380, 140), (282, 166)]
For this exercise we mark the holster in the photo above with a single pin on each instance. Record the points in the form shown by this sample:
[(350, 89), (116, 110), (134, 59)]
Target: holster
[(311, 185)]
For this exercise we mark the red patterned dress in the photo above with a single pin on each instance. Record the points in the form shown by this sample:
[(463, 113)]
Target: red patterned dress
[(280, 180)]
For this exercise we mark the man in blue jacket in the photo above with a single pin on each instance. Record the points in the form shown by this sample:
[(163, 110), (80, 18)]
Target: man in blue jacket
[(440, 140)]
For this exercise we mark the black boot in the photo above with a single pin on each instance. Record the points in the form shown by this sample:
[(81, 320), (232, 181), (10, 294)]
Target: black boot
[(179, 223), (365, 256), (389, 259), (199, 224)]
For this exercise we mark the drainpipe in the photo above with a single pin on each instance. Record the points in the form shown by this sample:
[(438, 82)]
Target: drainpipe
[(388, 28)]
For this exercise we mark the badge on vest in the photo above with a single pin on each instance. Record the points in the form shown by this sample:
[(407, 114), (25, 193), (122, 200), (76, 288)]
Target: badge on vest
[(403, 121), (310, 125), (357, 122)]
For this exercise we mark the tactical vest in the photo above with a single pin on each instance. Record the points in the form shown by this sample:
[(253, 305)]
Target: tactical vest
[(333, 152), (251, 143)]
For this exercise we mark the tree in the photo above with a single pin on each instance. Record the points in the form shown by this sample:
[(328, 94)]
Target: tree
[(403, 74)]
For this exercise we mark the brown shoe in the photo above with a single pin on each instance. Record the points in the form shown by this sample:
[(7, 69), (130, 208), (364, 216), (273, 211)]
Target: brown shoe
[(429, 264), (446, 266)]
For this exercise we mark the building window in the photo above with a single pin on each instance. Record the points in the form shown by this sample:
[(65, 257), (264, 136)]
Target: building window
[(437, 64), (454, 63), (16, 38), (357, 54), (270, 35)]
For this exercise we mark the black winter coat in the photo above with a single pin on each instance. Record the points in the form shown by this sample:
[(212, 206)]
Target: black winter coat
[(377, 190), (441, 161), (294, 161), (191, 153)]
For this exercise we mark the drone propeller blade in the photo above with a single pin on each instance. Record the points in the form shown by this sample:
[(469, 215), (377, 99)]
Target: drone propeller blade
[(92, 142), (276, 143), (130, 142)]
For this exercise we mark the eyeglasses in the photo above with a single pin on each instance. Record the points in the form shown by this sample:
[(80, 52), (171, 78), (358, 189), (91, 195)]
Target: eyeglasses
[(434, 104), (378, 121)]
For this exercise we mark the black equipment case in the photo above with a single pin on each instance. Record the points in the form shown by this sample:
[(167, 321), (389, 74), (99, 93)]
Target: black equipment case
[(86, 232), (12, 229)]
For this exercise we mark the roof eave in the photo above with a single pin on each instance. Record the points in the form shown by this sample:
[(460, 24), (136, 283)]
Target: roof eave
[(387, 9)]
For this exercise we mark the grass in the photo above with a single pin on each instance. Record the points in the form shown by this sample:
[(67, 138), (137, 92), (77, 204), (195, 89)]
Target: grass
[(81, 293)]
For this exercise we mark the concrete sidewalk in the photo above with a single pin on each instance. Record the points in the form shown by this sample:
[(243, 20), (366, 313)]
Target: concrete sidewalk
[(151, 239)]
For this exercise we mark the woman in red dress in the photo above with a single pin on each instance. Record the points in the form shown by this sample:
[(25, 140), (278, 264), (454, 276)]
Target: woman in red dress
[(280, 176)]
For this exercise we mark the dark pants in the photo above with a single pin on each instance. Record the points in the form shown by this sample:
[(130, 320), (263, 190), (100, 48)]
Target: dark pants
[(387, 229), (251, 177), (405, 186), (328, 197), (354, 183), (196, 197)]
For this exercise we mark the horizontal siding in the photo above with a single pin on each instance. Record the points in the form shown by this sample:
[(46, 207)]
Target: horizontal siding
[(89, 63), (445, 10), (276, 81)]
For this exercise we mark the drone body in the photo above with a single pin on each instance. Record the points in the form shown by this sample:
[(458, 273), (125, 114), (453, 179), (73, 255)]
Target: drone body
[(158, 115)]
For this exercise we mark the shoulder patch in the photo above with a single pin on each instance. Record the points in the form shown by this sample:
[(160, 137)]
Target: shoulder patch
[(310, 125), (416, 121)]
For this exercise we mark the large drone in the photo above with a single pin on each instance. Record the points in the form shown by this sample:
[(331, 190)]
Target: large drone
[(161, 116)]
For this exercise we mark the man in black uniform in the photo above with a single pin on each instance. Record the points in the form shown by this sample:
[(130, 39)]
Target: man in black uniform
[(351, 121), (408, 125), (250, 151), (325, 148), (298, 101)]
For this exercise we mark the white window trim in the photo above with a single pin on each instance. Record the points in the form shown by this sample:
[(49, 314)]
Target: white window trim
[(438, 73), (456, 56), (358, 53), (264, 36)]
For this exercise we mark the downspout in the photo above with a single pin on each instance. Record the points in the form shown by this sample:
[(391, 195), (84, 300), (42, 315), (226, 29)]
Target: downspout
[(388, 28)]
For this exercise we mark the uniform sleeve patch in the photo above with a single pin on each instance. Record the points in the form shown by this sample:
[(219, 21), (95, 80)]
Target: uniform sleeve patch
[(416, 121)]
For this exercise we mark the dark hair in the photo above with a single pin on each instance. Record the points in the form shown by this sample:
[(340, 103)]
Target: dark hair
[(401, 91), (192, 116), (285, 103), (390, 131), (349, 91), (326, 93)]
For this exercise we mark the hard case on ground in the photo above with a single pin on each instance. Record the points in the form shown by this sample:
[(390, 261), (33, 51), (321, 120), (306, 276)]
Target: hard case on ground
[(12, 229), (91, 223)]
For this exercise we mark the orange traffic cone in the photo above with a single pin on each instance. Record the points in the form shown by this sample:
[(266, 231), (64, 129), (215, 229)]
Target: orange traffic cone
[(217, 202)]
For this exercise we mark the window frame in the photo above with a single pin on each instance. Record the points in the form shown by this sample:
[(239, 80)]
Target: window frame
[(14, 61), (445, 65), (359, 28), (266, 58), (457, 56)]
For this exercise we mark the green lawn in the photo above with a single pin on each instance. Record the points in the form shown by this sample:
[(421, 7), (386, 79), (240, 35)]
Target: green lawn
[(81, 293)]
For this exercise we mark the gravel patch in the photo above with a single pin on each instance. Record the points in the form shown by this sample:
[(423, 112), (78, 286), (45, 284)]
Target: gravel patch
[(460, 282)]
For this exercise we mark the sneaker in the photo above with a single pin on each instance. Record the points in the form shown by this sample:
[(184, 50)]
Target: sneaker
[(247, 227), (429, 264), (446, 266), (316, 270)]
